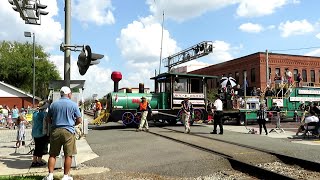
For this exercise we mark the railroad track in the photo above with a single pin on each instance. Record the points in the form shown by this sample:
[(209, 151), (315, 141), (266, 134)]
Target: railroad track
[(241, 164)]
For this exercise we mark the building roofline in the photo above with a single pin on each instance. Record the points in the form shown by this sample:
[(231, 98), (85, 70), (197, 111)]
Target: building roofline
[(257, 53), (19, 90)]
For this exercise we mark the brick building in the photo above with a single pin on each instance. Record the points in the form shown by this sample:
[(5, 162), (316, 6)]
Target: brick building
[(10, 95), (254, 66)]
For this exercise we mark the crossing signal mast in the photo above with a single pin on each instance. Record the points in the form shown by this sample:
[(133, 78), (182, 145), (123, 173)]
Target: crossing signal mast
[(30, 10), (86, 57), (199, 50)]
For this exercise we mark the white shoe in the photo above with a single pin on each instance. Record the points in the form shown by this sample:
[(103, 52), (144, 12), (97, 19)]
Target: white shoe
[(67, 178), (47, 178)]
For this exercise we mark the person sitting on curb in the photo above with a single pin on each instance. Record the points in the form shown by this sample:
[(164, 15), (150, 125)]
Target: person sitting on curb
[(144, 108), (309, 119)]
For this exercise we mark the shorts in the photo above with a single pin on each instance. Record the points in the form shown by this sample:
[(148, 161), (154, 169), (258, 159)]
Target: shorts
[(62, 137), (41, 146)]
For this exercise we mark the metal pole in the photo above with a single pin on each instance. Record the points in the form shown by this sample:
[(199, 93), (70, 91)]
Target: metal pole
[(34, 70), (67, 37), (267, 66), (161, 42)]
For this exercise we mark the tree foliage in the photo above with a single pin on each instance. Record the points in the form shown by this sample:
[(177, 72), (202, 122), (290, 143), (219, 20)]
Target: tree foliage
[(16, 60)]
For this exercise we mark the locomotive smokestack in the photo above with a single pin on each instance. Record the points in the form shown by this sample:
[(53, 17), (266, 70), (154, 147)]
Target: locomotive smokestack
[(116, 76), (141, 88)]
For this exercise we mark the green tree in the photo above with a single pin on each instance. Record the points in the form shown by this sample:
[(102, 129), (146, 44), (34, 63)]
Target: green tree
[(16, 61)]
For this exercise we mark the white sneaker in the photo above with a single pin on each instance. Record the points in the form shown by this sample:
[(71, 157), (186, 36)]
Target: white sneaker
[(67, 178), (47, 178)]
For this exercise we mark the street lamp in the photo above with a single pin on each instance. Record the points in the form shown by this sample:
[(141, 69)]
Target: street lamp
[(29, 34)]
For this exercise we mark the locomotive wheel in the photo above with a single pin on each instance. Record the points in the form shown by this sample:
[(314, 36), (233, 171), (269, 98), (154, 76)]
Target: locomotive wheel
[(242, 119), (127, 118), (137, 118)]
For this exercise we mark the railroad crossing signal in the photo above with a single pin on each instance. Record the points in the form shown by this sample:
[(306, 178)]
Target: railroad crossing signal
[(201, 49), (86, 58), (30, 10)]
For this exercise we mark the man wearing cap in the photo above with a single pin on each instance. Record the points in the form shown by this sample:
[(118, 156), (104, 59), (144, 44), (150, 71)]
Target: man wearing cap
[(63, 116), (186, 109), (144, 108), (218, 114)]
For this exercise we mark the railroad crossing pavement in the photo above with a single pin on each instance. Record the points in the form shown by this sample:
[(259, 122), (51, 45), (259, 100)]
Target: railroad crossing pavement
[(12, 162), (18, 161)]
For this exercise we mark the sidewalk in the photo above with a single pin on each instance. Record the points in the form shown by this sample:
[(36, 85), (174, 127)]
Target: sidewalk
[(18, 161)]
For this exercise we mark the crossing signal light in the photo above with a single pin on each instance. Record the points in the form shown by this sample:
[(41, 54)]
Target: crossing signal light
[(13, 4), (39, 9), (86, 58)]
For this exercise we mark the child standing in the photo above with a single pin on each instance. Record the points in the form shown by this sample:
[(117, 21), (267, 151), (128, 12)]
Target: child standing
[(20, 130)]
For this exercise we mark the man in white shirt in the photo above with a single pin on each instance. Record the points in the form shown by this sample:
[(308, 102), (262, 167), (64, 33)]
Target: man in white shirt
[(218, 114), (310, 119)]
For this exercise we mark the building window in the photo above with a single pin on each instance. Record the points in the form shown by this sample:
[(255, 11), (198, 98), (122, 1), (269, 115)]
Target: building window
[(312, 76), (278, 72), (269, 71), (253, 75), (245, 83), (295, 74), (304, 75), (237, 77)]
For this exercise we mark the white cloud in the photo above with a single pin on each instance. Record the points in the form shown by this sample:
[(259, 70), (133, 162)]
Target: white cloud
[(183, 10), (251, 28), (271, 27), (12, 26), (140, 41), (186, 9), (96, 11), (318, 36), (295, 28), (255, 8), (313, 53), (97, 78), (140, 45), (221, 52)]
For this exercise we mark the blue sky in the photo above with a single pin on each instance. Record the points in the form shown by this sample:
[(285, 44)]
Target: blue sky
[(128, 32)]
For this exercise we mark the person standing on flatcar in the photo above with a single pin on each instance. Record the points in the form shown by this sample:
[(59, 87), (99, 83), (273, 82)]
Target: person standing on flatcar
[(218, 114), (187, 110)]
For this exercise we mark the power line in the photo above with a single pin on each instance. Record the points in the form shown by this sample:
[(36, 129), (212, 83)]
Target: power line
[(295, 49)]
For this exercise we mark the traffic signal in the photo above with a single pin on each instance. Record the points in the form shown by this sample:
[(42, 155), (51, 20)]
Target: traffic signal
[(38, 8), (86, 58), (30, 11), (15, 6)]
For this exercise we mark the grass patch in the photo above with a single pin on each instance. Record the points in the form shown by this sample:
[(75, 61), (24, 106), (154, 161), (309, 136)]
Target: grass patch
[(30, 177)]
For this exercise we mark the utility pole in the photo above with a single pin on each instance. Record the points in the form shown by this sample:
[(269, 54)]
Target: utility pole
[(34, 70), (267, 66), (67, 38), (161, 42)]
